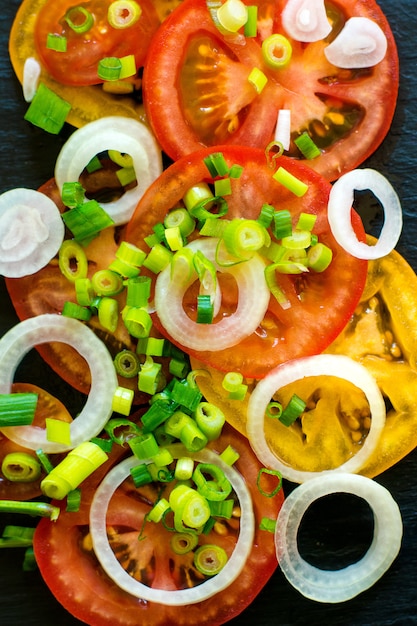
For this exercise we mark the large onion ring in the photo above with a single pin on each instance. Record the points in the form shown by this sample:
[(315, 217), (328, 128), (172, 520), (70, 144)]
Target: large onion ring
[(322, 364), (306, 21), (226, 333), (31, 231), (340, 212), (340, 585), (98, 407), (361, 43), (112, 133), (180, 597)]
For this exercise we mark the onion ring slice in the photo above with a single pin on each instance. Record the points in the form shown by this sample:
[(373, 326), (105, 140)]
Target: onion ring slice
[(180, 597), (322, 364), (346, 583), (98, 407)]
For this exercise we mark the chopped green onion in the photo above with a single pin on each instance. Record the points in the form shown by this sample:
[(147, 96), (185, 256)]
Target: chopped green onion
[(73, 501), (210, 559), (123, 400), (299, 239), (176, 422), (244, 237), (162, 459), (125, 427), (109, 68), (182, 543), (123, 13), (17, 409), (138, 291), (216, 489), (229, 455), (158, 258), (204, 309), (268, 524), (222, 508), (276, 51), (72, 260), (197, 194), (217, 205), (292, 411), (184, 468), (273, 151), (76, 311), (276, 489), (178, 367), (222, 187), (58, 431), (79, 19), (275, 289), (47, 110), (152, 346), (84, 291), (307, 147), (216, 164), (158, 510), (126, 176), (149, 376), (86, 220), (266, 215), (236, 171), (232, 15), (182, 219), (257, 79), (128, 69), (174, 238), (306, 221), (144, 446), (20, 467), (210, 420), (251, 26), (127, 363), (213, 227), (17, 537), (282, 224), (274, 410), (137, 321), (130, 254), (186, 394), (73, 469), (319, 257), (105, 444), (192, 437), (233, 383), (72, 194), (107, 283), (56, 42), (108, 313), (93, 165), (141, 475), (291, 182), (41, 509), (44, 461), (29, 562)]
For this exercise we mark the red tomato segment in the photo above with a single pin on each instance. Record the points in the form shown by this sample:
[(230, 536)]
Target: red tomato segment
[(197, 92), (78, 63), (321, 303), (69, 568)]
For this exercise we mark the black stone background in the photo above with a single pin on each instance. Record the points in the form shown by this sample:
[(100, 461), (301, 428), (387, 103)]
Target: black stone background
[(27, 157)]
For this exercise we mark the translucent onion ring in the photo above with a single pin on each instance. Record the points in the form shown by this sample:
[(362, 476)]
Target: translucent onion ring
[(361, 43), (31, 231), (322, 364), (51, 327), (226, 333), (346, 583), (123, 134), (180, 597), (340, 206), (306, 20)]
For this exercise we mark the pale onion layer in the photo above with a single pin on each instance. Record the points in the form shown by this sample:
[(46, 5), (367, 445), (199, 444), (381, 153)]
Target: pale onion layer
[(230, 330), (98, 408), (124, 135), (291, 371), (180, 597), (31, 231), (361, 43), (346, 583), (306, 20), (340, 213)]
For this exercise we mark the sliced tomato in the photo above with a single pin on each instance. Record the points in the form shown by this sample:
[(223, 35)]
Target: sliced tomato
[(78, 64), (47, 406), (197, 92), (321, 303), (71, 571)]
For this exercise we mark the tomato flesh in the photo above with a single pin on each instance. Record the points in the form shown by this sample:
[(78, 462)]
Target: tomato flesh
[(69, 567), (196, 88), (321, 303)]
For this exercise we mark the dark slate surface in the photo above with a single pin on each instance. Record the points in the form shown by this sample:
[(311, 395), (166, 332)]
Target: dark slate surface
[(26, 159)]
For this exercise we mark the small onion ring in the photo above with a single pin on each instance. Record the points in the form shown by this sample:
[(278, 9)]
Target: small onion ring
[(346, 583), (180, 597), (123, 134), (31, 231), (361, 43), (226, 333), (98, 407), (306, 20), (340, 206), (323, 364)]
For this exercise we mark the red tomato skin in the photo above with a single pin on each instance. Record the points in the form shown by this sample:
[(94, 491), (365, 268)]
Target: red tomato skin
[(79, 584), (78, 65), (308, 326), (375, 95)]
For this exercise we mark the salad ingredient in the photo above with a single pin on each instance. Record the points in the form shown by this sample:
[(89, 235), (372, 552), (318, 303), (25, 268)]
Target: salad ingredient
[(64, 553), (31, 231), (112, 133), (235, 563), (321, 303), (341, 200), (306, 20), (361, 43), (203, 96), (98, 407), (346, 583), (319, 365)]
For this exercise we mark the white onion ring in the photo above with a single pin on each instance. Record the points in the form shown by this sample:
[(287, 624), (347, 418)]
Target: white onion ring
[(306, 20), (180, 597), (31, 231), (322, 364), (123, 134), (339, 213), (226, 333), (361, 43), (31, 76), (98, 407), (346, 583)]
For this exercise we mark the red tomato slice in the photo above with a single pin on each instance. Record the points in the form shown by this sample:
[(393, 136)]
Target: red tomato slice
[(69, 568), (78, 64), (321, 303), (196, 88)]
